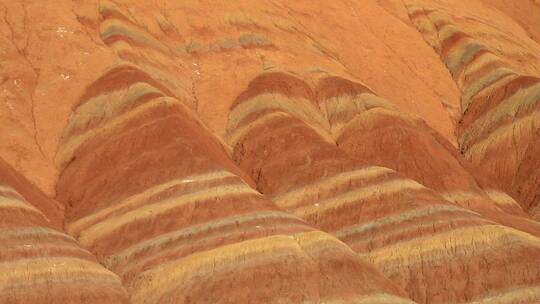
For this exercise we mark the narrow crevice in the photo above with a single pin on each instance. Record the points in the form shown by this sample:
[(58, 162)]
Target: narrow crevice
[(24, 54)]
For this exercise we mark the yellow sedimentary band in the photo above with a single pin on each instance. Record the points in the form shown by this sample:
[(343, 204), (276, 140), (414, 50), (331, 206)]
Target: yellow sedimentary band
[(448, 246), (122, 47), (42, 249), (108, 7), (240, 133), (392, 235), (351, 105), (298, 107), (93, 233), (315, 242), (356, 104), (382, 298), (401, 217), (358, 194), (460, 195), (469, 90), (462, 51), (312, 192), (11, 203), (518, 294), (486, 92), (130, 254), (440, 19), (502, 198), (483, 60), (37, 233), (138, 199), (7, 190), (108, 105), (67, 150), (153, 285), (514, 130), (57, 269), (116, 27), (524, 100), (447, 30), (368, 118)]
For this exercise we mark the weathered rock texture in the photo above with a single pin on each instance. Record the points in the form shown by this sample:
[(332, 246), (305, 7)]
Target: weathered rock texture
[(270, 152)]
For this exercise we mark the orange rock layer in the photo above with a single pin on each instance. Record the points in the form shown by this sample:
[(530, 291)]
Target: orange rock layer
[(274, 152)]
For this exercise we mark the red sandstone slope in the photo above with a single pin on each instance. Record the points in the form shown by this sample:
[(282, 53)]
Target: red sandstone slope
[(281, 151), (409, 231)]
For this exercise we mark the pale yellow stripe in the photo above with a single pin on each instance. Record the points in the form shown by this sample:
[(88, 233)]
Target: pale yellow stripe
[(356, 103), (90, 235), (477, 151), (239, 133), (61, 268), (441, 20), (106, 6), (461, 52), (192, 232), (352, 105), (8, 190), (486, 92), (108, 104), (369, 117), (457, 196), (502, 198), (311, 192), (31, 232), (113, 27), (10, 203), (352, 197), (382, 298), (469, 90), (401, 217), (151, 285), (67, 150), (301, 108), (452, 244), (521, 294), (479, 63), (523, 100), (137, 199), (380, 239), (122, 47)]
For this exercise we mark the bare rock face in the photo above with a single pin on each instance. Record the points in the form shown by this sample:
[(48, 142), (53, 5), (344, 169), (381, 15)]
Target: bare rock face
[(270, 152), (161, 204), (39, 262), (279, 136), (499, 128)]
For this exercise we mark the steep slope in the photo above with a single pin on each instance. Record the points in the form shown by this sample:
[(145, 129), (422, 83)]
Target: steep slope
[(38, 262), (407, 230), (195, 151), (373, 131), (499, 127), (205, 53), (154, 195)]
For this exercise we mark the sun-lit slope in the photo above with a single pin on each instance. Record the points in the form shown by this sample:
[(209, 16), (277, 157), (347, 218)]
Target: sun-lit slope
[(39, 263), (203, 52), (373, 131), (154, 195), (411, 233), (498, 75)]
